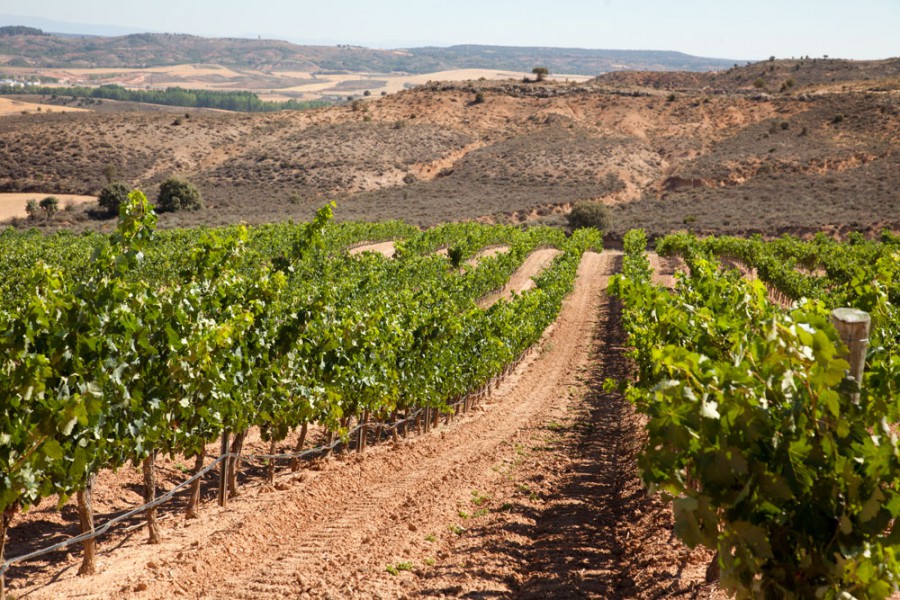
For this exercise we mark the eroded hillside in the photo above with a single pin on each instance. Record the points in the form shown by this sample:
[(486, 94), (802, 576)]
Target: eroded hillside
[(709, 160)]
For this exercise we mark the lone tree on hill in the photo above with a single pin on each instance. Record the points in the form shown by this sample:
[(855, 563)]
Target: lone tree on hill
[(541, 72), (177, 194)]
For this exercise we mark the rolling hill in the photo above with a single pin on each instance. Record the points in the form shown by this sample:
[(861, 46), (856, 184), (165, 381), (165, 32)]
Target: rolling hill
[(154, 49)]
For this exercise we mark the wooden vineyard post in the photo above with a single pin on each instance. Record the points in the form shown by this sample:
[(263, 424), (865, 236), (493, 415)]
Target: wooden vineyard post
[(223, 472), (150, 496), (363, 430), (295, 462), (853, 326), (86, 518), (234, 463), (194, 495)]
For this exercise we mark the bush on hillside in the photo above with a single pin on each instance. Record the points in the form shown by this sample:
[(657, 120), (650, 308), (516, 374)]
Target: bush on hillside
[(589, 214), (177, 194), (111, 196)]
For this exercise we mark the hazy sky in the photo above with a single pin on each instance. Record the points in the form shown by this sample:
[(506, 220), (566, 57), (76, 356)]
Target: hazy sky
[(726, 29)]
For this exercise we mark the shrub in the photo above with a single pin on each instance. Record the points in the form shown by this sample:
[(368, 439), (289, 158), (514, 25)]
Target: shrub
[(50, 205), (838, 119), (541, 73), (177, 194), (758, 83), (112, 196), (589, 214), (32, 209), (479, 98)]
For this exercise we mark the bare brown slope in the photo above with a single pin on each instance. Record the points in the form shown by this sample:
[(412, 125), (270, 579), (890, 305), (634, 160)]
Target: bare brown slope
[(728, 163)]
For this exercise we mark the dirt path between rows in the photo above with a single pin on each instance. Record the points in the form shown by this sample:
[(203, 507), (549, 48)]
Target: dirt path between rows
[(535, 494), (385, 248), (522, 278), (488, 252)]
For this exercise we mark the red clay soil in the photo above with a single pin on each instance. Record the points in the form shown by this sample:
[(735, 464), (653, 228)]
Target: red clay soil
[(535, 494)]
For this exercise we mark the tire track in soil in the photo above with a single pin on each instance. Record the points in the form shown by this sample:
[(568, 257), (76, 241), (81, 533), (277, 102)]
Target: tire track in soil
[(602, 535)]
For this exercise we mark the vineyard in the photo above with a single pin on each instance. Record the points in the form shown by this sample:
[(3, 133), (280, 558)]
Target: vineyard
[(771, 444), (120, 349)]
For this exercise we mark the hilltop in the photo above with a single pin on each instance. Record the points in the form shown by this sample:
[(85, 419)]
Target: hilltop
[(769, 76)]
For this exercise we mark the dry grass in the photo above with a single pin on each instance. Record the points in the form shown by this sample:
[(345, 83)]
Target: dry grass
[(8, 107), (13, 205)]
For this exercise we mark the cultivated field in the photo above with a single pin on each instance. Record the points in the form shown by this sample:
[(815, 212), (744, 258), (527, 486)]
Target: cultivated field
[(460, 392), (272, 84)]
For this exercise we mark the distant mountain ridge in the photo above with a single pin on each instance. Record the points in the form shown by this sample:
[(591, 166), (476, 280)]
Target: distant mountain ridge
[(160, 49), (67, 28)]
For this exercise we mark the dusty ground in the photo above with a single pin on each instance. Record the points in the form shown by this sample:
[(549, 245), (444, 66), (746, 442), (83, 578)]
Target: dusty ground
[(13, 205), (665, 267), (486, 253), (534, 494)]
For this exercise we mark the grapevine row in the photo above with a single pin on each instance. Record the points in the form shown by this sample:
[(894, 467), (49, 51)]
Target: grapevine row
[(119, 357), (773, 458)]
